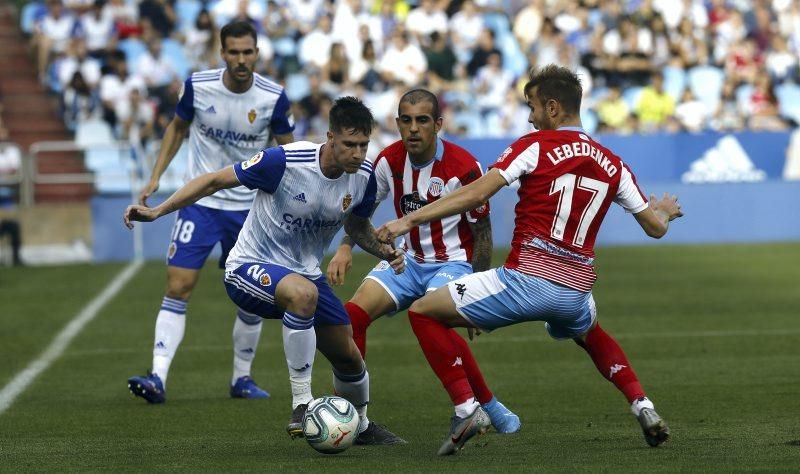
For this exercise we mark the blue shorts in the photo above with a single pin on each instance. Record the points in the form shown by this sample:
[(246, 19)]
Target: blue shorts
[(252, 288), (501, 297), (416, 280), (197, 230)]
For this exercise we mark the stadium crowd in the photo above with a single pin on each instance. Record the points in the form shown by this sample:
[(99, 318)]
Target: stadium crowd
[(646, 65)]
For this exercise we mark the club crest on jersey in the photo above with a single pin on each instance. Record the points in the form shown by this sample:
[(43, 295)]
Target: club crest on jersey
[(251, 116), (411, 202), (436, 187), (504, 155), (173, 248), (255, 159), (346, 201)]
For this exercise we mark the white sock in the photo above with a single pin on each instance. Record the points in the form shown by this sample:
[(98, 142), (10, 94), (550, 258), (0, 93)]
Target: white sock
[(300, 347), (170, 326), (355, 389), (467, 408), (637, 405), (246, 332)]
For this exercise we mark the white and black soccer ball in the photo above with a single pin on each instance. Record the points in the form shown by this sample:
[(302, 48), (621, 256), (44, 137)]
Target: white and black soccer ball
[(330, 424)]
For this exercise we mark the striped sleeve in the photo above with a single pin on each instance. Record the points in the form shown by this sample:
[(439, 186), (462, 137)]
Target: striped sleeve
[(629, 196), (517, 161)]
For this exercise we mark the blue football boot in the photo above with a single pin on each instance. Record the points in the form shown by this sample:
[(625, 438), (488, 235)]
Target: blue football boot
[(148, 387), (245, 387), (503, 419)]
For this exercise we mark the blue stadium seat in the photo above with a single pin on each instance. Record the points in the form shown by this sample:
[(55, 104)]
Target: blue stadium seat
[(674, 81), (498, 23), (631, 96), (174, 51), (187, 11), (789, 101), (706, 84), (297, 86), (589, 121), (90, 133), (513, 58), (133, 48), (30, 14)]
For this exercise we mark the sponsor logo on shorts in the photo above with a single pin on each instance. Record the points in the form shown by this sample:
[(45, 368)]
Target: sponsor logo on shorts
[(461, 288), (260, 275), (436, 187), (173, 248), (381, 266)]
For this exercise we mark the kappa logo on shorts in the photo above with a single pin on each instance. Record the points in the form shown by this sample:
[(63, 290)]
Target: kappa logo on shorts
[(381, 266), (461, 289), (255, 159)]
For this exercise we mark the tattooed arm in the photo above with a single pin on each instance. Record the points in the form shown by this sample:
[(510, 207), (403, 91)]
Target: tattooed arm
[(482, 244), (362, 234)]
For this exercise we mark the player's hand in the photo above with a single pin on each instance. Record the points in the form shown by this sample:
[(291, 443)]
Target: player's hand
[(339, 265), (473, 332), (135, 212), (668, 204), (396, 259), (147, 191), (391, 230)]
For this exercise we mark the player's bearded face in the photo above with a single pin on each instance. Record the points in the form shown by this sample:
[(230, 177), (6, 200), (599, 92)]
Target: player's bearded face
[(417, 127), (240, 56)]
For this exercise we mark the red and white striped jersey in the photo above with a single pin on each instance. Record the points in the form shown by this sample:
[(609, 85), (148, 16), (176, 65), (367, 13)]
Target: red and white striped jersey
[(445, 240), (567, 183)]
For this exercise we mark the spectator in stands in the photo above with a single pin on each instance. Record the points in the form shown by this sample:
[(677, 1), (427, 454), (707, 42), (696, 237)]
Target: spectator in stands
[(156, 69), (136, 118), (744, 62), (316, 45), (442, 62), (116, 86), (52, 35), (528, 24), (403, 61), (691, 113), (226, 11), (125, 16), (304, 14), (202, 42), (160, 14), (97, 29), (480, 54), (613, 112), (424, 20), (364, 71), (311, 104), (336, 72), (780, 62), (490, 86), (80, 101), (728, 117), (764, 106), (655, 106), (513, 115), (78, 59), (465, 29)]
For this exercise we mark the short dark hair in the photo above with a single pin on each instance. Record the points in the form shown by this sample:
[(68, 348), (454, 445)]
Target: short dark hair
[(237, 29), (350, 113), (421, 95), (557, 83)]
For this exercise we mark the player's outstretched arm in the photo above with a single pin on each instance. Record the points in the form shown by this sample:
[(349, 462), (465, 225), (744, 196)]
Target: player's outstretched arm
[(656, 218), (170, 144), (481, 244), (191, 192), (363, 234), (462, 200), (342, 260)]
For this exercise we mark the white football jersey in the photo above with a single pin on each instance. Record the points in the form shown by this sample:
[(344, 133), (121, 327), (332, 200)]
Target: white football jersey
[(229, 128), (297, 210)]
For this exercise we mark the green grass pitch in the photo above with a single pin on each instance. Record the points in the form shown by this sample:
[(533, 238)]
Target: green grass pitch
[(712, 331)]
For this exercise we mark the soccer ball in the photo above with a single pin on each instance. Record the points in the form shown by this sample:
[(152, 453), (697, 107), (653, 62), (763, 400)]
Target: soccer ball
[(330, 424)]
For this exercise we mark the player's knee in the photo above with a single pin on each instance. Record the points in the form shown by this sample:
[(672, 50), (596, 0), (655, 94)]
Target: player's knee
[(179, 288), (420, 306), (302, 299)]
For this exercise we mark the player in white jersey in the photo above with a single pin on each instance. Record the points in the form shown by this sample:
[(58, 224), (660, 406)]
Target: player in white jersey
[(230, 115), (306, 193), (413, 172)]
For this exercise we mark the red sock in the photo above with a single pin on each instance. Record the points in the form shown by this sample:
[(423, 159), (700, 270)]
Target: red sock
[(474, 375), (443, 356), (360, 321), (611, 362)]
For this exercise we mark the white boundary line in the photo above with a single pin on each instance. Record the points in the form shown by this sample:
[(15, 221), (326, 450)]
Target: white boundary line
[(22, 380)]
